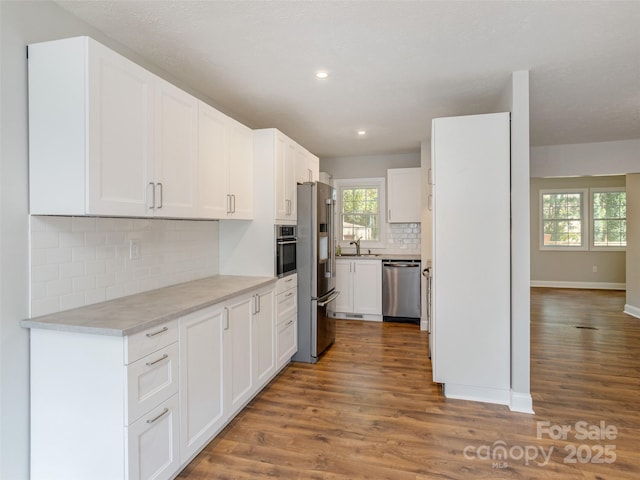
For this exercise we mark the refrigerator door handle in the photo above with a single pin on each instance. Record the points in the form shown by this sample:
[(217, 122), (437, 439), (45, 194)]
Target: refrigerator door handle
[(324, 302)]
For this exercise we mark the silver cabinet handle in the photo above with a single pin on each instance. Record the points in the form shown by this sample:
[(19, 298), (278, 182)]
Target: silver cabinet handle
[(164, 412), (289, 294), (290, 279), (161, 195), (153, 194), (163, 357), (228, 203), (290, 322), (226, 318), (164, 329), (389, 215), (430, 202)]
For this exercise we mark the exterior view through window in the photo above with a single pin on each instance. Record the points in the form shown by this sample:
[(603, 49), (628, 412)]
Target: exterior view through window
[(609, 218), (360, 213), (562, 215)]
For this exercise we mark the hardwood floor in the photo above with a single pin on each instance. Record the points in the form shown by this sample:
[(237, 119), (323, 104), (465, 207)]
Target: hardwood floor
[(369, 410)]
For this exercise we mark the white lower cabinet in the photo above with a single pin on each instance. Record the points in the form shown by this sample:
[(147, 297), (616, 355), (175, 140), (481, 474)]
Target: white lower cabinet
[(153, 452), (202, 412), (286, 320), (360, 285), (140, 407), (264, 338)]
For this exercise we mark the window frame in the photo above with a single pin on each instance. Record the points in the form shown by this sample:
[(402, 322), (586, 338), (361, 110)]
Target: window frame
[(592, 246), (584, 221), (347, 183)]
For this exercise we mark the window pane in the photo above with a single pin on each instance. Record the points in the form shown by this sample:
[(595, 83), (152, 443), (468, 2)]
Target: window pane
[(562, 219), (360, 214), (609, 219)]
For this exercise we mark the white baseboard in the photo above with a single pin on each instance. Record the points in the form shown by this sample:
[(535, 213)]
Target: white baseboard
[(631, 310), (521, 402), (476, 394), (588, 285)]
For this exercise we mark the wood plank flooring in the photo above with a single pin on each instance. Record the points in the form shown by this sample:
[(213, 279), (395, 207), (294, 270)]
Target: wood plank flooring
[(369, 410)]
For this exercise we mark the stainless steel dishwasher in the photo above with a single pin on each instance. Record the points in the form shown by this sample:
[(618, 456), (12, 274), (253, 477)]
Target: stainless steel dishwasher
[(401, 290)]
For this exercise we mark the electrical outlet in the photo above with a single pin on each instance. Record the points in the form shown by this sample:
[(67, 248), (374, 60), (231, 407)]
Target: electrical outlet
[(134, 248), (595, 269)]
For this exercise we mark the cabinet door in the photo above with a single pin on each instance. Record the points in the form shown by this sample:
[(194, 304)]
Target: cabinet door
[(264, 349), (240, 161), (238, 382), (344, 284), (285, 179), (287, 338), (314, 167), (121, 112), (367, 287), (213, 200), (176, 161), (201, 379), (152, 443), (404, 195)]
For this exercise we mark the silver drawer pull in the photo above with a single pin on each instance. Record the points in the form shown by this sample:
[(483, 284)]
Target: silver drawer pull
[(163, 357), (289, 322), (158, 332), (289, 280), (164, 412), (289, 294)]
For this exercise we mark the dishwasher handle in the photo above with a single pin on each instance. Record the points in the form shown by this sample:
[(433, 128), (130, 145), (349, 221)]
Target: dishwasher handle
[(392, 264)]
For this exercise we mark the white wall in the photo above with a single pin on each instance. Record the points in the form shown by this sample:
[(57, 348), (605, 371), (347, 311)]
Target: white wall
[(368, 166), (583, 159), (632, 306), (520, 247), (23, 23)]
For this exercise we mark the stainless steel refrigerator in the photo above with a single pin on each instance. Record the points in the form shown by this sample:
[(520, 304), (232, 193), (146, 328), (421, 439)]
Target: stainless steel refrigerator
[(316, 266)]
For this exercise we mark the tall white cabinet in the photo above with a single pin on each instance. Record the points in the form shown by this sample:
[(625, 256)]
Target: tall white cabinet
[(471, 256)]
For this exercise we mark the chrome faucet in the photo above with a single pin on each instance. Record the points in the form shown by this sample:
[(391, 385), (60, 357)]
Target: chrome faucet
[(357, 244)]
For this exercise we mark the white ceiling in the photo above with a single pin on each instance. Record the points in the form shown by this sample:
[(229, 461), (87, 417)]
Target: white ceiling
[(394, 65)]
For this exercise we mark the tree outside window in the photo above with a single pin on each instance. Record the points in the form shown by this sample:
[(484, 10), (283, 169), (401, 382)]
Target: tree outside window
[(360, 214), (609, 209), (562, 219)]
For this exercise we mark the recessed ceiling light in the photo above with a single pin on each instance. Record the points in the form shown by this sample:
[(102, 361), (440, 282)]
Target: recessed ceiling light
[(322, 74), (362, 132)]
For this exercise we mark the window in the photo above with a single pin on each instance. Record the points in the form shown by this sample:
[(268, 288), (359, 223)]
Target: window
[(563, 214), (359, 206), (583, 219), (609, 218)]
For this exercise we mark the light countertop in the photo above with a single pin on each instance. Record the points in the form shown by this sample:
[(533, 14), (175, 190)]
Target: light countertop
[(132, 314)]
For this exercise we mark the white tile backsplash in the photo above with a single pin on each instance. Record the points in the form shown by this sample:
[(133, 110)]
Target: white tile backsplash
[(403, 238), (77, 261)]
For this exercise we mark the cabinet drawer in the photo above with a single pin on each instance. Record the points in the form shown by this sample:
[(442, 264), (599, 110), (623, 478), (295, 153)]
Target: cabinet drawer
[(152, 443), (148, 341), (286, 283), (287, 343), (285, 302), (151, 380)]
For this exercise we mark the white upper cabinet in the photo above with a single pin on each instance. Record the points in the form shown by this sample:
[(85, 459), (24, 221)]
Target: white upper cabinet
[(307, 166), (240, 159), (175, 169), (107, 137), (403, 195), (285, 179), (91, 122), (225, 165)]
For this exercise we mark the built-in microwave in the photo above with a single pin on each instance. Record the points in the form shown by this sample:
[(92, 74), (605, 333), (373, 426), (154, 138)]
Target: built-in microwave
[(286, 242)]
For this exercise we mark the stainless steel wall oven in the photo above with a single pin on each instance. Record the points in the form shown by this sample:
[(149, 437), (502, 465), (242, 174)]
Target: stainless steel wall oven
[(286, 242)]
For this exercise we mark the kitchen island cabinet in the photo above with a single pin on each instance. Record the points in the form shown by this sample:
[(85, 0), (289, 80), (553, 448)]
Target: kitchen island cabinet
[(359, 282), (140, 384)]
